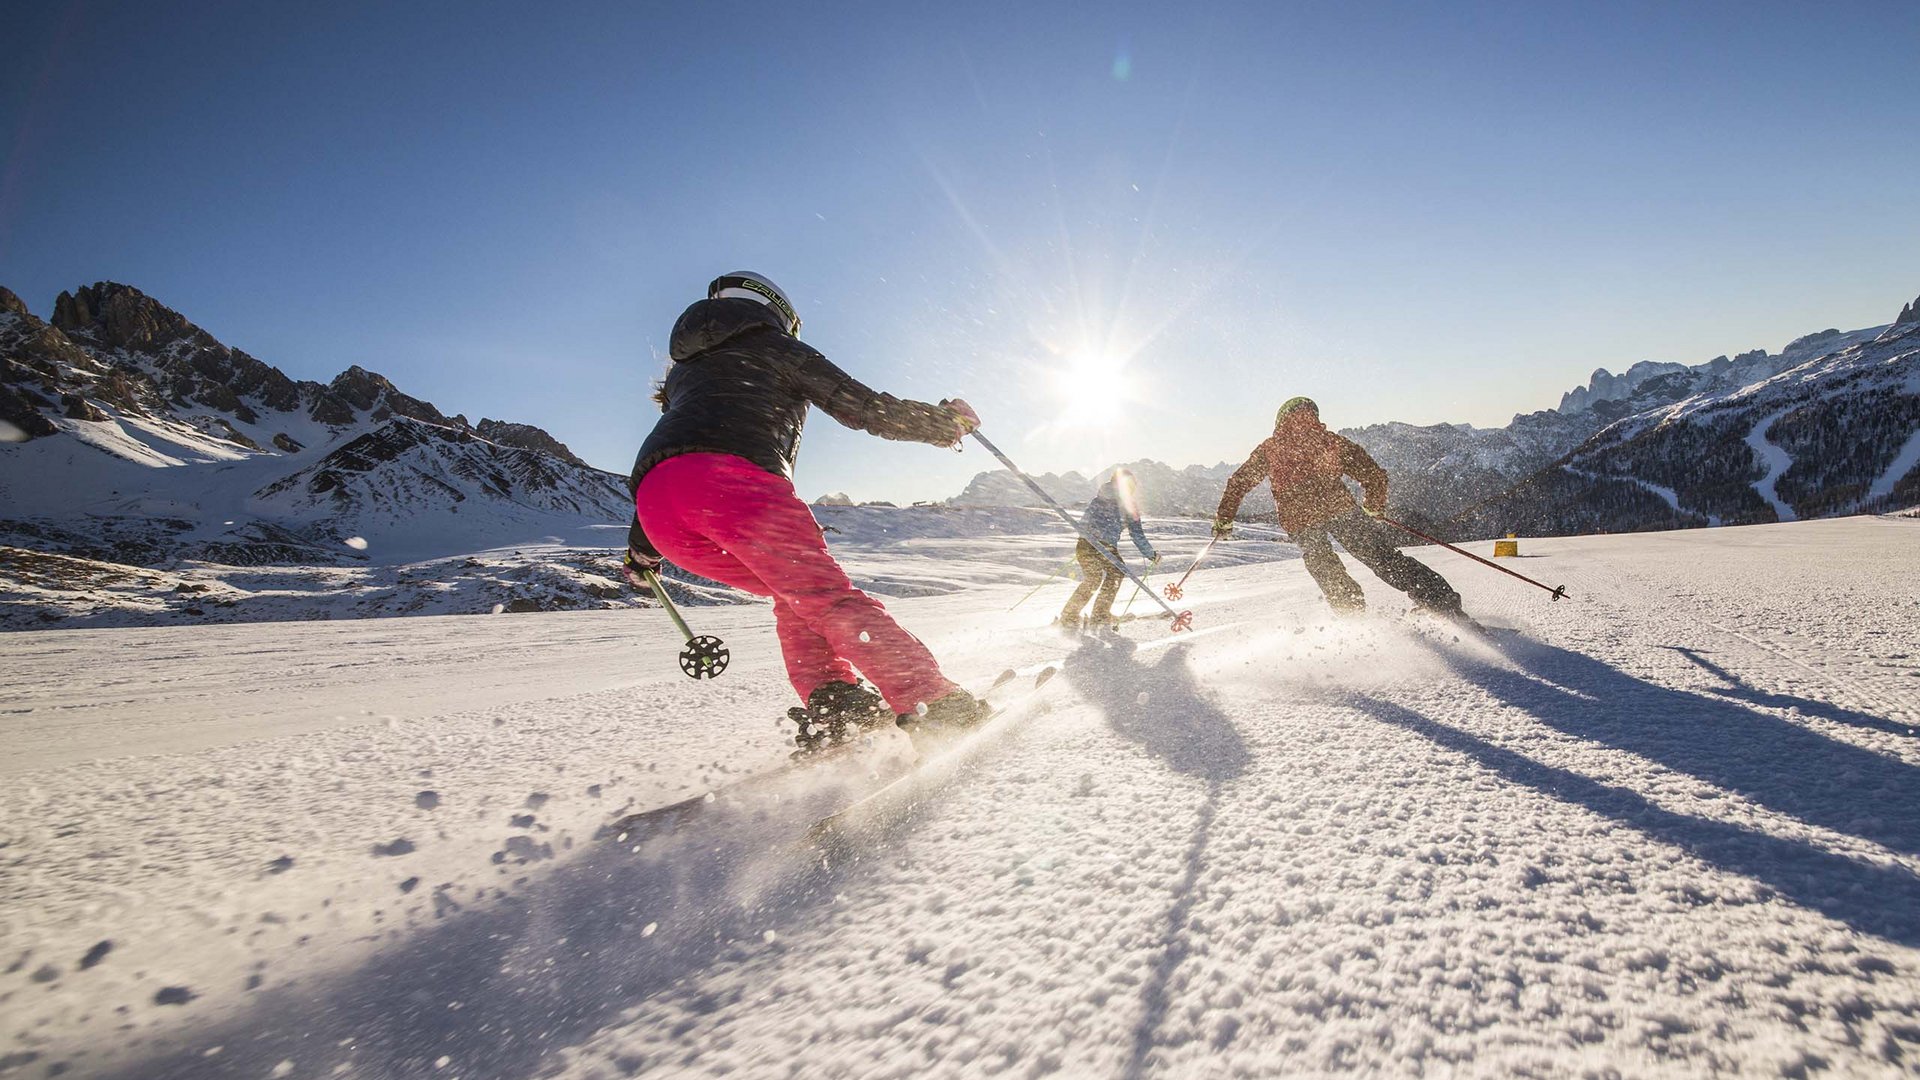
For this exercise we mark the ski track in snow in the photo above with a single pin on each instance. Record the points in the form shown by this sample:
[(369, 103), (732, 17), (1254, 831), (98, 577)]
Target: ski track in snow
[(1777, 462), (1903, 463), (1673, 828), (1667, 494)]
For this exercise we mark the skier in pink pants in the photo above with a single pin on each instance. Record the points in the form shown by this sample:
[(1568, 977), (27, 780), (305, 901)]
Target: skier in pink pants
[(713, 492)]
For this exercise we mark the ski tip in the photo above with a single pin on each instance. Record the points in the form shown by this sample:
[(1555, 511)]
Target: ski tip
[(1005, 677), (1046, 673)]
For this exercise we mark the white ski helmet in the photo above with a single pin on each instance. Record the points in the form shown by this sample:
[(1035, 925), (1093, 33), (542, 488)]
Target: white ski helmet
[(748, 285)]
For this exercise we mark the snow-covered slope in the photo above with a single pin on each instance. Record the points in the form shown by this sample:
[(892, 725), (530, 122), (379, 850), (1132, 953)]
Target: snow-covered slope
[(1673, 830)]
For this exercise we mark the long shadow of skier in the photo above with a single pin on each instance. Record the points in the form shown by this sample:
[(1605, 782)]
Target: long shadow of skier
[(1777, 764), (1881, 900), (1161, 708), (498, 990), (1739, 688)]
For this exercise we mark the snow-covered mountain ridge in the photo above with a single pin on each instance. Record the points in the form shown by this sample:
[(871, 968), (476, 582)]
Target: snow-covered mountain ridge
[(1442, 472), (128, 435), (1836, 434)]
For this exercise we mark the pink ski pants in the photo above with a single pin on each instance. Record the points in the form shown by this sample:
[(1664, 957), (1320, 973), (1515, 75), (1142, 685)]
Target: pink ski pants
[(726, 518)]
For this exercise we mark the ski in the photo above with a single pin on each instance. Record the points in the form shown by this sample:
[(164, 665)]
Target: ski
[(1458, 625), (941, 760), (768, 784), (642, 824)]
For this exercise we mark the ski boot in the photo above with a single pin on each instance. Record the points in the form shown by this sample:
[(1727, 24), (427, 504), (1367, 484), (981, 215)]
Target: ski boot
[(1452, 614), (834, 713), (941, 719)]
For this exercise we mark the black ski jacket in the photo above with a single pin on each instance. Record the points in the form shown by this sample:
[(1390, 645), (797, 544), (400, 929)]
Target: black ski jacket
[(741, 385)]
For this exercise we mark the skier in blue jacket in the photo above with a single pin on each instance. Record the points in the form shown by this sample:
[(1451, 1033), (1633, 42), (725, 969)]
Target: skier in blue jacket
[(1116, 504)]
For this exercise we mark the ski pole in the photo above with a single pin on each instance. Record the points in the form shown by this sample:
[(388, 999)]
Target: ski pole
[(1182, 620), (1557, 591), (1173, 590), (705, 656), (1044, 584)]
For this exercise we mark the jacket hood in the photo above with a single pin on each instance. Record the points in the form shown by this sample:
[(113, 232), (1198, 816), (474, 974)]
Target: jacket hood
[(708, 324)]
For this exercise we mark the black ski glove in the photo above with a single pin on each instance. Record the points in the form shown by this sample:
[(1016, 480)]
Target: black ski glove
[(641, 556)]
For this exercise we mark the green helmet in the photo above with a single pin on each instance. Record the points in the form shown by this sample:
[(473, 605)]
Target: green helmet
[(1293, 404)]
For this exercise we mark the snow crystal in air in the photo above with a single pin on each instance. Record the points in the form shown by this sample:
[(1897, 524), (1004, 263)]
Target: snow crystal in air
[(864, 636), (11, 433), (769, 937), (498, 608), (647, 930), (1141, 698), (442, 1061), (357, 543), (285, 1068)]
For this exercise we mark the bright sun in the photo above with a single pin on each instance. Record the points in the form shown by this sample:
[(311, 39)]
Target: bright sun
[(1093, 386)]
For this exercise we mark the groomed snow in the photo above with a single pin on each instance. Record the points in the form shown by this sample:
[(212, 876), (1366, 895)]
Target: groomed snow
[(1776, 461), (1672, 828)]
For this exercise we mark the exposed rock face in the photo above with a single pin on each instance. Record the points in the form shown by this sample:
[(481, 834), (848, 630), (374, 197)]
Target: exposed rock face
[(39, 368), (130, 329), (357, 390), (116, 316), (1909, 313), (525, 436)]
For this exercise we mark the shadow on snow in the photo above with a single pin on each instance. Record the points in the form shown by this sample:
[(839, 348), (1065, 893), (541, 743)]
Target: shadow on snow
[(1778, 764), (1881, 900), (499, 989), (1176, 724)]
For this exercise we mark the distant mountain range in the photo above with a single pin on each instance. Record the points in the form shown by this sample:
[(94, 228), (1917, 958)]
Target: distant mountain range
[(1657, 446), (142, 459)]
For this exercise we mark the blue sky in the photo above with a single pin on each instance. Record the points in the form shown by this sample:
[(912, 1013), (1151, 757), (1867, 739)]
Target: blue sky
[(1420, 212)]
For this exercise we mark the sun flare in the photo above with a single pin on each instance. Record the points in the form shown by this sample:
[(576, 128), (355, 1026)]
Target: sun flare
[(1093, 386)]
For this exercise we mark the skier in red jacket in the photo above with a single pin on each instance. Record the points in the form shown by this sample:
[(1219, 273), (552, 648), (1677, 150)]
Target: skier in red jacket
[(713, 492), (1304, 462)]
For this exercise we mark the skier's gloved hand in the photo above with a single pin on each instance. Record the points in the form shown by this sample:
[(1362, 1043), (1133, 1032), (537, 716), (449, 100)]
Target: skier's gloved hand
[(1222, 530), (635, 564), (964, 418), (1373, 511), (1154, 562)]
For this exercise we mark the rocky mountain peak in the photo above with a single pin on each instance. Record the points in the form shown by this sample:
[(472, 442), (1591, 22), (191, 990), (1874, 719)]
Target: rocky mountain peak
[(115, 316), (11, 304), (357, 390), (1909, 314), (524, 436)]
